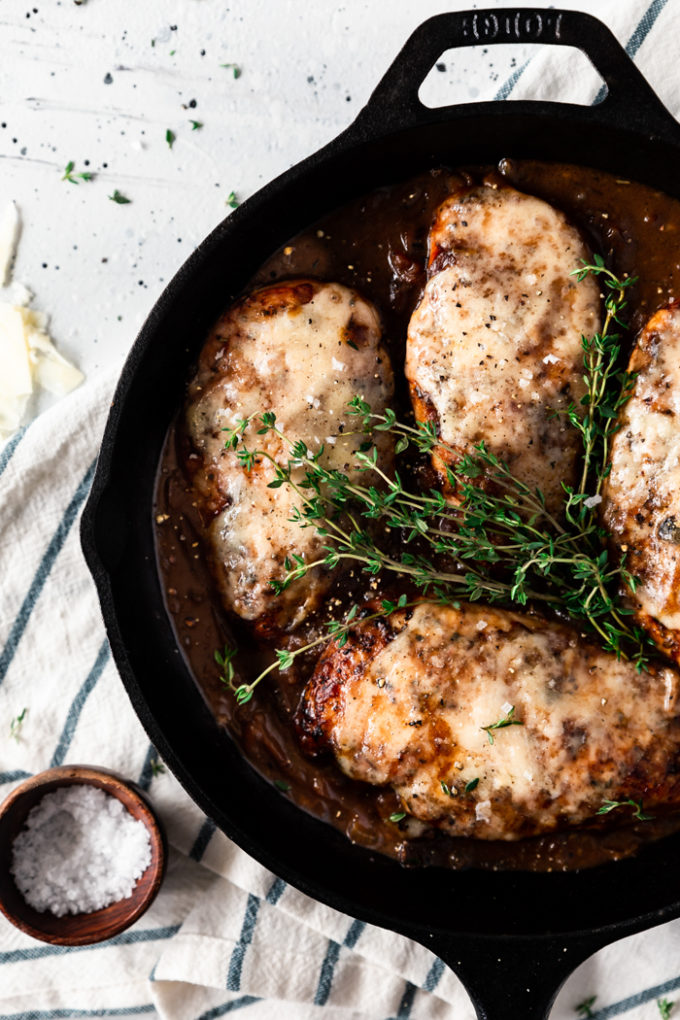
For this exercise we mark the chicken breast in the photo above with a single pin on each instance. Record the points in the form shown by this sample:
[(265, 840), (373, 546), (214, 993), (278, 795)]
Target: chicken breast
[(494, 347), (303, 350), (411, 702), (641, 506)]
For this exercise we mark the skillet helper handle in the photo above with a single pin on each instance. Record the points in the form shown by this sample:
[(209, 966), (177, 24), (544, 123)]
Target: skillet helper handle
[(629, 101), (514, 976)]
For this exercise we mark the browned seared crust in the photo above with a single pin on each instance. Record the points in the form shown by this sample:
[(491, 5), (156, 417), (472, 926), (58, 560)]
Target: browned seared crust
[(641, 503), (405, 701)]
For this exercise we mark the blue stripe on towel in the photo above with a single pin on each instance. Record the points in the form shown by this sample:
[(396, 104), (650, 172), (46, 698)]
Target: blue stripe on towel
[(434, 975), (655, 992), (406, 1004), (323, 989), (327, 972), (77, 705), (146, 775), (126, 938), (508, 85), (56, 1014), (245, 938), (43, 571), (205, 834), (10, 447), (640, 33), (12, 777), (276, 891), (644, 26), (228, 1007)]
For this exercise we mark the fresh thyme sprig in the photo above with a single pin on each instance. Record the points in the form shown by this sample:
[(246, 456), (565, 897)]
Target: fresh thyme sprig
[(507, 719), (610, 805), (585, 1008), (16, 724), (608, 388), (75, 178), (335, 630), (665, 1008), (496, 540)]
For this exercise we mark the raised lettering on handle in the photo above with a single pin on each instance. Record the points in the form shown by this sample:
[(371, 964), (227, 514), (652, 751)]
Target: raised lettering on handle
[(511, 26)]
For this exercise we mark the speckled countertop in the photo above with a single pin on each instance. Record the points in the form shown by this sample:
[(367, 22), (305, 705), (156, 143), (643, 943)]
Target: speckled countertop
[(100, 83)]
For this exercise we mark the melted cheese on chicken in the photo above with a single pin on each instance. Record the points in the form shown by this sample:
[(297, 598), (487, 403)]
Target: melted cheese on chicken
[(494, 347), (641, 506), (302, 350), (409, 703)]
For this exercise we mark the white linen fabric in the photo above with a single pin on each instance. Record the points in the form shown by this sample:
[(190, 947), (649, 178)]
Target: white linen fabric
[(225, 935)]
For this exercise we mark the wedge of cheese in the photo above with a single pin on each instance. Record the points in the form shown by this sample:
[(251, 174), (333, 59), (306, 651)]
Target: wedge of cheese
[(16, 375), (28, 359)]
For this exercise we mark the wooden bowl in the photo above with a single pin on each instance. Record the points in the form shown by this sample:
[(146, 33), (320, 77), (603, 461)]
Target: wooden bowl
[(78, 929)]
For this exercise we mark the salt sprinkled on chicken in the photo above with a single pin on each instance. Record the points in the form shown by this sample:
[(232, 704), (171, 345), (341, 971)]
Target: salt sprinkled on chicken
[(79, 851)]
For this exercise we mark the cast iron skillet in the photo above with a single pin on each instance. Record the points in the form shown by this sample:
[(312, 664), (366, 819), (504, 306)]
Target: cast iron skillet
[(512, 938)]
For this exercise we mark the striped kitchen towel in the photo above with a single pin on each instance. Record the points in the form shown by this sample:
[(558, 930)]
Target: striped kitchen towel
[(224, 935)]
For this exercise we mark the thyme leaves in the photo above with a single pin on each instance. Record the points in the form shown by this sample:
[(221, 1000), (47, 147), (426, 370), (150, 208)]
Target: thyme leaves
[(611, 805), (497, 542), (507, 719)]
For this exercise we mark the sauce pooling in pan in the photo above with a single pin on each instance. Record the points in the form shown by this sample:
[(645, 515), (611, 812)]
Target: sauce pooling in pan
[(377, 244)]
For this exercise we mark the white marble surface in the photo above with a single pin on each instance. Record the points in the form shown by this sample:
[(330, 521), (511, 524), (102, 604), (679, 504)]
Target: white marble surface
[(101, 82)]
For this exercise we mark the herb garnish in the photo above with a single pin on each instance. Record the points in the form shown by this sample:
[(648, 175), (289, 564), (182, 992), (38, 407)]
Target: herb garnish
[(450, 791), (584, 1009), (281, 785), (664, 1007), (119, 199), (610, 805), (234, 68), (232, 200), (397, 816), (170, 137), (506, 720), (472, 785), (17, 723), (224, 659), (337, 630), (157, 767), (608, 388), (196, 125), (497, 520), (72, 178)]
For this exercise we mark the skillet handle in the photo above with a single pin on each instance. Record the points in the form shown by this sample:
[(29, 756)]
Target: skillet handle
[(630, 101), (514, 976)]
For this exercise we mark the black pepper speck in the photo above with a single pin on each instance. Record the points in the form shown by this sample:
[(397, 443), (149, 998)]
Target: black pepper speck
[(108, 78)]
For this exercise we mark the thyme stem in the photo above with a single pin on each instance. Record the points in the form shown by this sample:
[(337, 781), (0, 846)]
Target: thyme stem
[(492, 521)]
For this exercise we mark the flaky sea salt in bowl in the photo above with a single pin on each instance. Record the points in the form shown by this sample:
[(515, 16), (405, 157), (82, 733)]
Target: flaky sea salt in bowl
[(82, 855)]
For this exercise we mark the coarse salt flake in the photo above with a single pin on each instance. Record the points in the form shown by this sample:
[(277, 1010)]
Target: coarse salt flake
[(79, 851), (506, 708), (550, 359), (592, 501), (483, 810)]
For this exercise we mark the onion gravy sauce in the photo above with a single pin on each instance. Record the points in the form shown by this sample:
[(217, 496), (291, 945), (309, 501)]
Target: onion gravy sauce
[(377, 244)]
